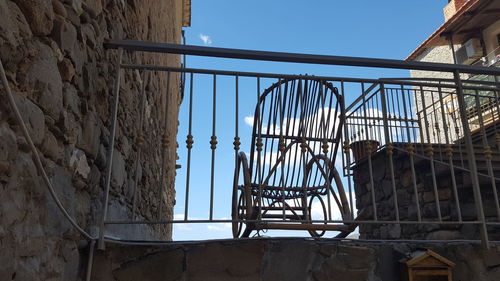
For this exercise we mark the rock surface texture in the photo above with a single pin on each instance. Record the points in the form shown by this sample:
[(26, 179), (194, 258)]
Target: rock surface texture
[(62, 79), (285, 259), (407, 199)]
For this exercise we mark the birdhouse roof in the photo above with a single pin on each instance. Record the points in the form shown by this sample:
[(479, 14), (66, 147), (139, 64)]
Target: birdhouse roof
[(428, 258)]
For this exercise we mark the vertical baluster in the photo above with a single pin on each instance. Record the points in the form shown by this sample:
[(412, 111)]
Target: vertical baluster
[(213, 146), (346, 148), (389, 149), (429, 150), (418, 114), (236, 142), (407, 115), (411, 116), (397, 113), (449, 155), (259, 149), (189, 145), (369, 150), (497, 114), (109, 158), (454, 112), (436, 122), (472, 160), (378, 119), (392, 113), (411, 155), (425, 114), (487, 152)]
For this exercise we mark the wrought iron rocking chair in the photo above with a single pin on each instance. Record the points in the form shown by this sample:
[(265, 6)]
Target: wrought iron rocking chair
[(296, 135)]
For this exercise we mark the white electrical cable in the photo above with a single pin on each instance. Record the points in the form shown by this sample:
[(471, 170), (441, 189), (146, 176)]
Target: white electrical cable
[(36, 157)]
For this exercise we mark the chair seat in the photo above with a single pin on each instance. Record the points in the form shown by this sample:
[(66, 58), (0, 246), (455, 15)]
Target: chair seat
[(276, 192)]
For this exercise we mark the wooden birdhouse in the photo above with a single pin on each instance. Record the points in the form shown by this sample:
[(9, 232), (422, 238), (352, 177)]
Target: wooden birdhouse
[(427, 265)]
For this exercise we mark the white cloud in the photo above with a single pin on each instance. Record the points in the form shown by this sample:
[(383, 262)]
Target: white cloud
[(206, 39), (317, 208), (222, 227), (182, 226), (249, 120)]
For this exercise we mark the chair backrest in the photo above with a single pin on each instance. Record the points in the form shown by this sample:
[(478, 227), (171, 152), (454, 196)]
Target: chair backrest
[(294, 120)]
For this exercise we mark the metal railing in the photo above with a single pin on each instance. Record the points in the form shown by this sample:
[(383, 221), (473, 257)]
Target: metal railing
[(424, 123), (430, 127), (392, 128)]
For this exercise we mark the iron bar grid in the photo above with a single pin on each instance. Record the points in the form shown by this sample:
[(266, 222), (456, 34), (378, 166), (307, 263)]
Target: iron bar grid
[(425, 121)]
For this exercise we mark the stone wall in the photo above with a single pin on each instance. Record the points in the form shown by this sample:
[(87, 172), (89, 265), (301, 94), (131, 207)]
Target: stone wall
[(62, 79), (406, 197), (285, 259)]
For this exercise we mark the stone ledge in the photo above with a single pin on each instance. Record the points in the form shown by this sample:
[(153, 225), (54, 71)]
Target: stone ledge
[(283, 259)]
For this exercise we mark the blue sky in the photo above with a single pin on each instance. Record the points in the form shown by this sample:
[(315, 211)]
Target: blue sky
[(361, 28)]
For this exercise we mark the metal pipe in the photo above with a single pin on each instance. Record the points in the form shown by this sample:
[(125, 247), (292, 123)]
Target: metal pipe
[(90, 261), (189, 146), (213, 146), (449, 154), (487, 154), (293, 57), (471, 159), (112, 132), (118, 222), (452, 47), (293, 76), (389, 152)]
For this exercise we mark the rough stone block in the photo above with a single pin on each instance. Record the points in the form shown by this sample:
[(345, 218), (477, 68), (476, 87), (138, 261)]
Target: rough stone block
[(118, 172), (443, 194), (8, 144), (79, 164), (64, 34), (13, 25), (51, 148), (350, 263), (33, 117), (67, 70), (71, 100), (44, 77), (288, 261), (59, 8), (39, 14), (93, 7), (492, 257), (160, 266), (91, 134), (239, 261), (443, 235)]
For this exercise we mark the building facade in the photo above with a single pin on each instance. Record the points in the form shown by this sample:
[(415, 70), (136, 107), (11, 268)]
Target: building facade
[(61, 77), (470, 35)]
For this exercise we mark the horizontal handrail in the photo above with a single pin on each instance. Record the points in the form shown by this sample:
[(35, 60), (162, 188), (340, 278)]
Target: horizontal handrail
[(295, 221), (133, 45)]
